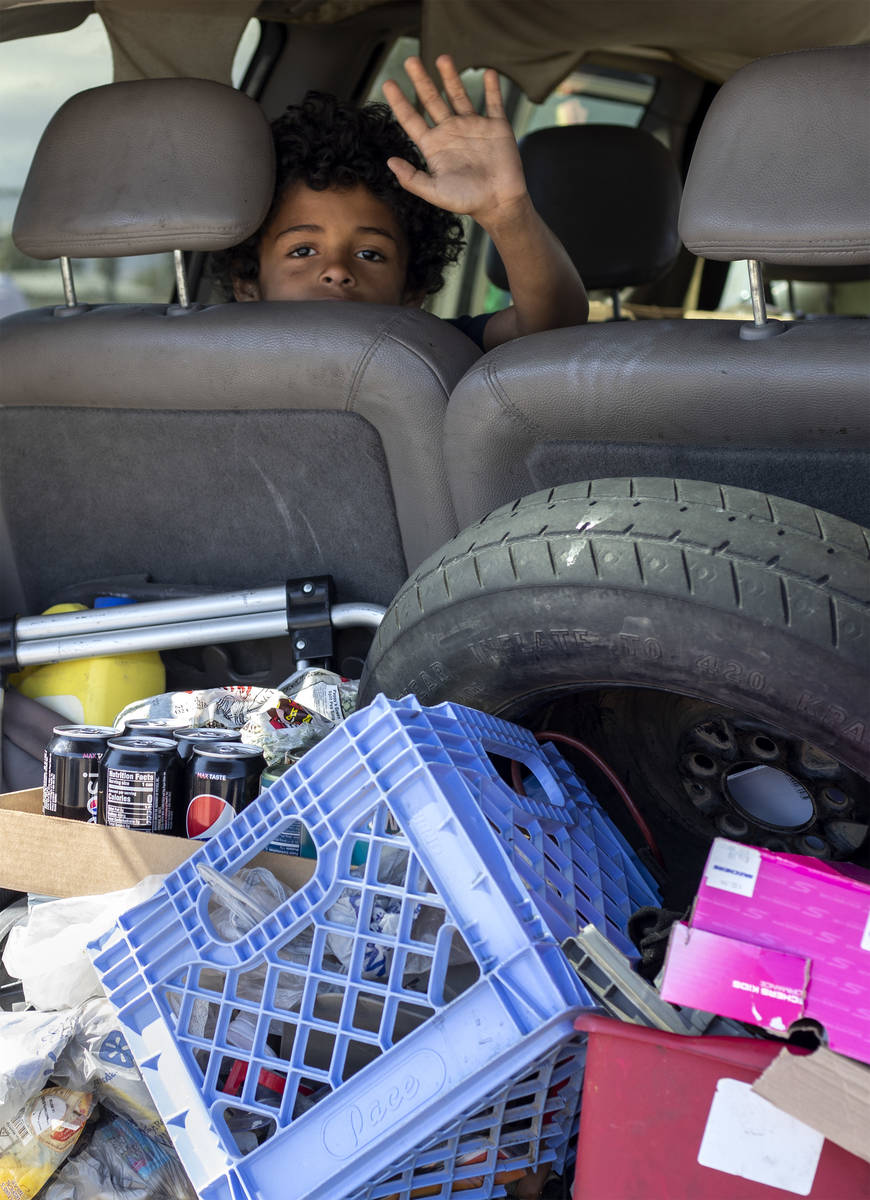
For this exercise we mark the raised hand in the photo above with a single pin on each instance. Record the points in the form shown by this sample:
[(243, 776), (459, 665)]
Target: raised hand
[(473, 160)]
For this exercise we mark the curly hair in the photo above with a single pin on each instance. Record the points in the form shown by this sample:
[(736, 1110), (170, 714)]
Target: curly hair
[(325, 143)]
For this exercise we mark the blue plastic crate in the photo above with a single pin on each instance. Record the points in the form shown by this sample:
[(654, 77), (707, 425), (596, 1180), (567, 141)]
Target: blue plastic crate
[(522, 1126), (394, 1045)]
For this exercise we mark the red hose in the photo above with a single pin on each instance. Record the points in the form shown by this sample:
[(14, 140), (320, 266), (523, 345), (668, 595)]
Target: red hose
[(549, 735)]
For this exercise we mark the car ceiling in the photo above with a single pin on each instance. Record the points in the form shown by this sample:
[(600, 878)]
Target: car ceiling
[(534, 42)]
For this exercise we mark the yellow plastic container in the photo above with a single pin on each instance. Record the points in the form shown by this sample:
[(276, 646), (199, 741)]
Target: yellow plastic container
[(92, 691)]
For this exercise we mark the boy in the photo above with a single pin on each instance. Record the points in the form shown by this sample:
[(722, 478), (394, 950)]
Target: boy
[(358, 216)]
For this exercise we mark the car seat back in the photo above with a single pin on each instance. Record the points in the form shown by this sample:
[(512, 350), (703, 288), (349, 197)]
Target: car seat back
[(231, 445), (764, 404), (611, 194)]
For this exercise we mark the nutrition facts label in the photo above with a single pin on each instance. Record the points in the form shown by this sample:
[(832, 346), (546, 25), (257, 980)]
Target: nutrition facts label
[(49, 785), (137, 800)]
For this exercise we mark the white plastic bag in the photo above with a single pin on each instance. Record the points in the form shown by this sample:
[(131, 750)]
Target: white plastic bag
[(97, 1058), (236, 905), (48, 952), (121, 1163), (30, 1043)]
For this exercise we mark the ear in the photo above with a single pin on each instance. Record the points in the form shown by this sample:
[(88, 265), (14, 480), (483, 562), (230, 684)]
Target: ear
[(246, 289)]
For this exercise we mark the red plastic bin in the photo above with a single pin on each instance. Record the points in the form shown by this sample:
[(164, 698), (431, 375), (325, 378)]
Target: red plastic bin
[(647, 1097)]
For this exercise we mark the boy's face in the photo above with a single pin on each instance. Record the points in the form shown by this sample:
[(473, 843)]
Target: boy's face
[(338, 244)]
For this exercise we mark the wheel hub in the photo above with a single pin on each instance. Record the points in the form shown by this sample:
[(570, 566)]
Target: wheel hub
[(757, 784)]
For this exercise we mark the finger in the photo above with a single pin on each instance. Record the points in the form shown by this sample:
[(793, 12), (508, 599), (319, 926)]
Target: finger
[(431, 99), (492, 91), (453, 85), (413, 123), (412, 180)]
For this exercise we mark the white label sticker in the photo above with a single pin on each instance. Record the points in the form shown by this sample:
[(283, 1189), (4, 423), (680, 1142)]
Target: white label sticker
[(865, 940), (732, 867), (747, 1136)]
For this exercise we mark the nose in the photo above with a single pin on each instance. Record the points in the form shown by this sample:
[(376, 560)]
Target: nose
[(337, 273)]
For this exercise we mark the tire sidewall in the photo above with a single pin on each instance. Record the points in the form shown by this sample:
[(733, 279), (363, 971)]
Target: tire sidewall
[(497, 652)]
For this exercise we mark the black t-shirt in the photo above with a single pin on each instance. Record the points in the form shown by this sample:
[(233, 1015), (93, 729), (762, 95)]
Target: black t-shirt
[(472, 327)]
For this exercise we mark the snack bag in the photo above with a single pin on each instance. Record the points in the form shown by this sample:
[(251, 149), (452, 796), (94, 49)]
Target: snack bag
[(36, 1142)]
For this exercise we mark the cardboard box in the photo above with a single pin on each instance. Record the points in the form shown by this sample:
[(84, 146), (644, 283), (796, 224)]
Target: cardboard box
[(829, 1093), (774, 939), (56, 857)]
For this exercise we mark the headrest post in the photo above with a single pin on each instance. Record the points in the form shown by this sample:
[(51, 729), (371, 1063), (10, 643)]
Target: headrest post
[(69, 287), (617, 305), (181, 279), (756, 290)]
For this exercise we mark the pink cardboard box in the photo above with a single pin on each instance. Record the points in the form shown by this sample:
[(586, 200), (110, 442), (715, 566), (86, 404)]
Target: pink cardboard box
[(774, 938)]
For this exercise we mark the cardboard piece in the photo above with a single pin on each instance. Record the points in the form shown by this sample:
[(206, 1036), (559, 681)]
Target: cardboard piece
[(52, 856), (829, 1093), (776, 938), (764, 987)]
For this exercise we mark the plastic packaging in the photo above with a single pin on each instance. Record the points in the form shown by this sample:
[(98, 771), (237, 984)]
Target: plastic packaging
[(35, 1142), (97, 1058), (266, 717), (121, 1163), (47, 951), (323, 692), (30, 1044), (90, 691)]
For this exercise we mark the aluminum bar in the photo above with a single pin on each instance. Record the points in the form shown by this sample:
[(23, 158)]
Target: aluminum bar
[(171, 635)]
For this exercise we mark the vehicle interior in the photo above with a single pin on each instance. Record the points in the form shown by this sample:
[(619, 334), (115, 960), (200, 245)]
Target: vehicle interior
[(159, 440)]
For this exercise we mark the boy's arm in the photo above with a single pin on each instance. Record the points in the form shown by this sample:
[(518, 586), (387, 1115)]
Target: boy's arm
[(475, 168)]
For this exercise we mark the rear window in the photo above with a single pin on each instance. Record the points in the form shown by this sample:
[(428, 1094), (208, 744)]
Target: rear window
[(37, 75)]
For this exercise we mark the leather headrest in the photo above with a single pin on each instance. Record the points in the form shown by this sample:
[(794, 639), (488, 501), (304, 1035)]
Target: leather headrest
[(611, 194), (145, 167), (781, 169)]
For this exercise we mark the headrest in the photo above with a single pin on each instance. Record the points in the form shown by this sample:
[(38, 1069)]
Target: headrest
[(781, 169), (145, 167), (611, 195)]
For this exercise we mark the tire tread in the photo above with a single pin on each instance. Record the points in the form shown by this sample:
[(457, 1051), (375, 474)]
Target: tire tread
[(684, 538)]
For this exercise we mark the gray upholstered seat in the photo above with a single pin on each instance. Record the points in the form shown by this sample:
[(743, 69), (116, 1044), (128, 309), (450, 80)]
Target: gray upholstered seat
[(780, 174), (232, 445)]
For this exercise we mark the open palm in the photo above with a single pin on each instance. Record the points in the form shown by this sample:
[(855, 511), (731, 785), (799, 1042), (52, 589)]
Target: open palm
[(473, 163)]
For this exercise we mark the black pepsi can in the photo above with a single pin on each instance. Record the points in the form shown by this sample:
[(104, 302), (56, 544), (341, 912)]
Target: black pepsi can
[(186, 738), (139, 784), (71, 771), (222, 780), (163, 727)]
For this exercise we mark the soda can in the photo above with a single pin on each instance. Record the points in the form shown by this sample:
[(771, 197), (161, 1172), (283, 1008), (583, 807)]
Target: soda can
[(71, 771), (162, 727), (186, 738), (222, 780), (139, 784)]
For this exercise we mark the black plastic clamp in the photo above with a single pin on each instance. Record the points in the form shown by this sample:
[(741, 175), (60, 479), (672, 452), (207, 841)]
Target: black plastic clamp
[(309, 622), (8, 654)]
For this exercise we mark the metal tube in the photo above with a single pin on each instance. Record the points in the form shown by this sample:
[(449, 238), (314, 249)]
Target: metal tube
[(756, 291), (191, 608), (354, 616), (152, 612), (152, 637), (181, 279), (182, 633), (69, 287)]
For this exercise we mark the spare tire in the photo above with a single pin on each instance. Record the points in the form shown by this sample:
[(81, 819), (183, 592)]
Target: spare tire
[(755, 606)]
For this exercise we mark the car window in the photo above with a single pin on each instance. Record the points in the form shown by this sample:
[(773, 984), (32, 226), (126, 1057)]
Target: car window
[(795, 298), (591, 96), (37, 75)]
